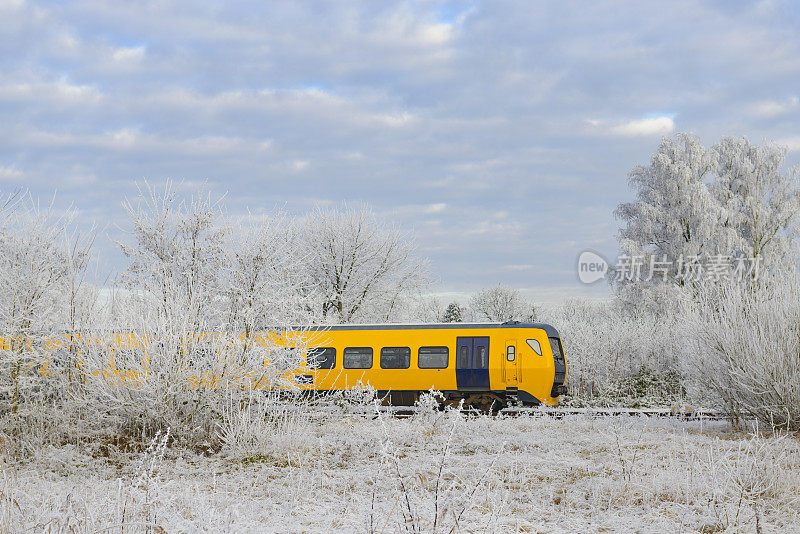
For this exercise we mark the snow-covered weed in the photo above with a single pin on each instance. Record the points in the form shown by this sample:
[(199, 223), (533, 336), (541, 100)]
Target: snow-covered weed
[(256, 431), (428, 414), (8, 505), (433, 496), (749, 478), (383, 474)]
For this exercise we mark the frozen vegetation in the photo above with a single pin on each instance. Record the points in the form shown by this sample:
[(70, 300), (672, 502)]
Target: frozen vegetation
[(434, 472)]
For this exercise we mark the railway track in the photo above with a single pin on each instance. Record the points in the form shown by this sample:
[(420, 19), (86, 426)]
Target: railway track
[(559, 412), (678, 413), (686, 414)]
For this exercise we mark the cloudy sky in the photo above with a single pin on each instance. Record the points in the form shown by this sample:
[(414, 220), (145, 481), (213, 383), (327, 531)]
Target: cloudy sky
[(500, 132)]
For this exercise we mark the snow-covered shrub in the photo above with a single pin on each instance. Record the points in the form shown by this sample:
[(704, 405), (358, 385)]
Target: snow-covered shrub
[(360, 397), (606, 345), (190, 321), (747, 350), (647, 388), (428, 413), (182, 380), (44, 303)]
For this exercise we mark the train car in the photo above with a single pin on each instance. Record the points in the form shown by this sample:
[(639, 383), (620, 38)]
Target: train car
[(484, 364)]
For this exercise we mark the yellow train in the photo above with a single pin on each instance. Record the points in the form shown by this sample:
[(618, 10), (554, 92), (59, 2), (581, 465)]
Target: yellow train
[(483, 364)]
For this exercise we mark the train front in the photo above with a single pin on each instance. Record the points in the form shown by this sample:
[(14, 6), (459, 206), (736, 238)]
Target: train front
[(542, 365)]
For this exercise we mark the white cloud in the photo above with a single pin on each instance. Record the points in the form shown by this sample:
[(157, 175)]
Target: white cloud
[(125, 138), (10, 173), (298, 165), (791, 143), (644, 127), (133, 140), (60, 91), (518, 267), (434, 34), (493, 228), (405, 28), (394, 119), (774, 108), (128, 54), (439, 207)]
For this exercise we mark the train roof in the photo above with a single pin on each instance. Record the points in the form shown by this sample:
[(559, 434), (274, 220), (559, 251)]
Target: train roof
[(551, 331)]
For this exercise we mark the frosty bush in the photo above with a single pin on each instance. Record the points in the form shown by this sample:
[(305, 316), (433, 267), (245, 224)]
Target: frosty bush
[(605, 345), (747, 349), (181, 339), (190, 290), (261, 427), (39, 262)]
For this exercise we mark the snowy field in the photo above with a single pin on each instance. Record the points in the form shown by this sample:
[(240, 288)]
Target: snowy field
[(436, 471)]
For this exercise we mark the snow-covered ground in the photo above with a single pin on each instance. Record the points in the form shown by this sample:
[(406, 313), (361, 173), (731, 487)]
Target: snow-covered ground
[(434, 472)]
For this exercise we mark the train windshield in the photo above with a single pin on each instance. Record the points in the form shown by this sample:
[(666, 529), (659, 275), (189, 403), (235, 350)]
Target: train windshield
[(558, 352)]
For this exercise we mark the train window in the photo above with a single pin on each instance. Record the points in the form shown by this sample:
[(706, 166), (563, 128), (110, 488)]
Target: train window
[(510, 353), (463, 357), (395, 358), (199, 356), (433, 357), (357, 358), (321, 358), (534, 344), (480, 357), (128, 358)]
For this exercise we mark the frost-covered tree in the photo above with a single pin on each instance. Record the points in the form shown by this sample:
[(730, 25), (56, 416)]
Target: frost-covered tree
[(760, 200), (359, 266), (192, 289), (675, 215), (731, 205), (176, 253), (453, 314), (264, 276), (500, 303), (419, 308)]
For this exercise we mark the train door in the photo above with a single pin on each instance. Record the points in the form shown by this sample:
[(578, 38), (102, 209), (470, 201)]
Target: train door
[(510, 363), (472, 363)]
